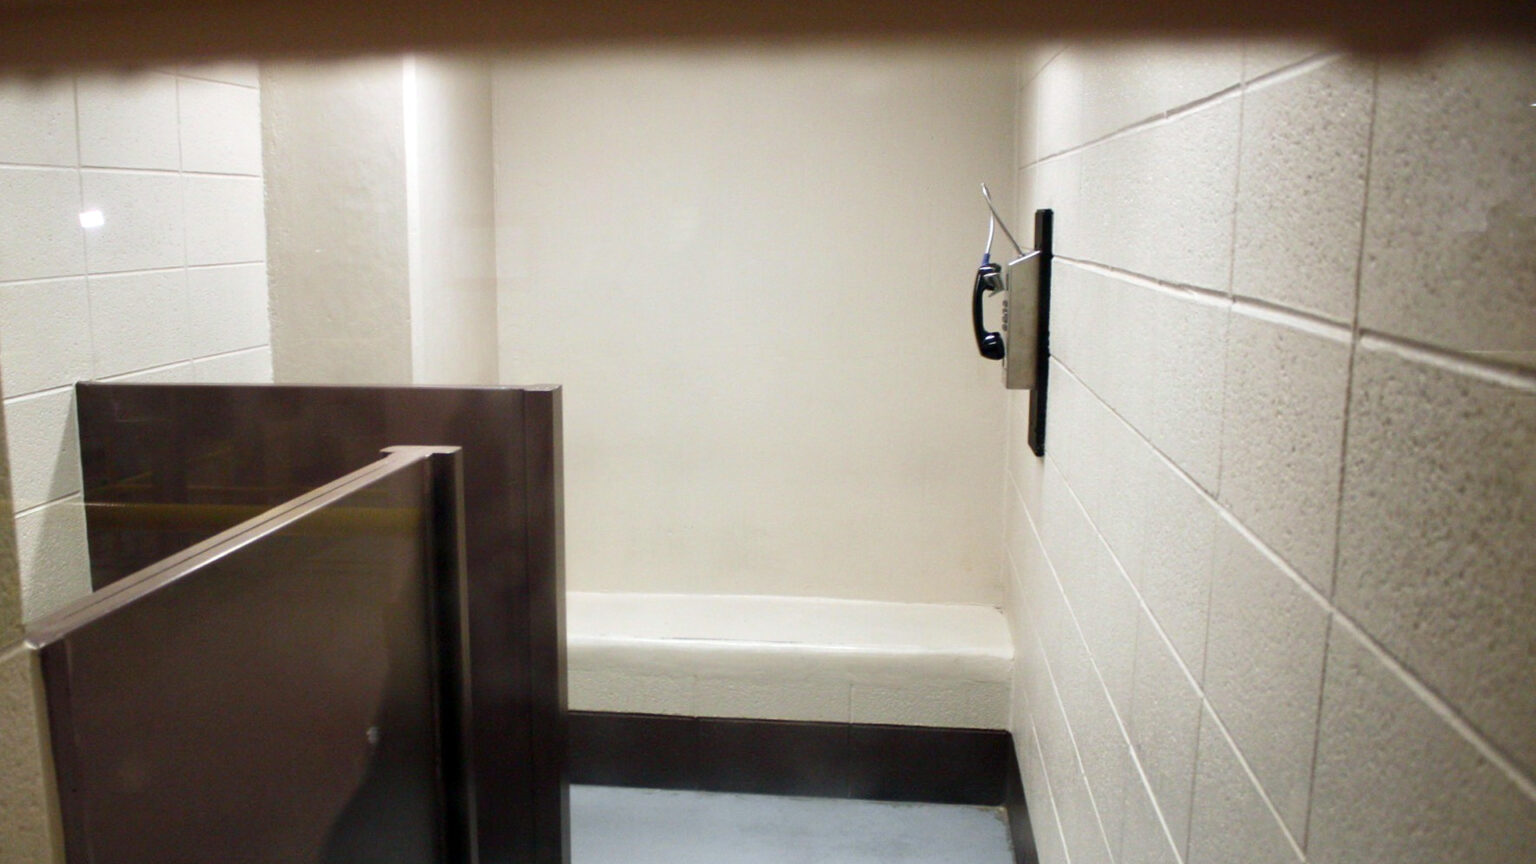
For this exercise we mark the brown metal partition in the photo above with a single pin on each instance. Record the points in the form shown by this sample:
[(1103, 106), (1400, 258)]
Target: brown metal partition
[(167, 464), (290, 690)]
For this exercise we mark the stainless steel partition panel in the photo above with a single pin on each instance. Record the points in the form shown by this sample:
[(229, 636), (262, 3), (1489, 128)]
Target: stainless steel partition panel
[(290, 690)]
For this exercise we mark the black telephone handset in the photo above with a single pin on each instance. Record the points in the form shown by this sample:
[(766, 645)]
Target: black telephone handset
[(988, 281)]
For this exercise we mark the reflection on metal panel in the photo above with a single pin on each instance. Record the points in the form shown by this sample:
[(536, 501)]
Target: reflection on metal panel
[(166, 465), (289, 690)]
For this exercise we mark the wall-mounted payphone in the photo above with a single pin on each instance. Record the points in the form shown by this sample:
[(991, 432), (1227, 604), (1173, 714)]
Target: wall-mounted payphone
[(1025, 283)]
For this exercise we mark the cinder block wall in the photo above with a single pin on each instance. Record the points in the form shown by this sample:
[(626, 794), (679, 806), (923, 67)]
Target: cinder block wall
[(26, 821), (171, 287), (1274, 583)]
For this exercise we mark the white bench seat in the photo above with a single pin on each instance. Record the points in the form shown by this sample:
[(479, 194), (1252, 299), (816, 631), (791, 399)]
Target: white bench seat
[(789, 658)]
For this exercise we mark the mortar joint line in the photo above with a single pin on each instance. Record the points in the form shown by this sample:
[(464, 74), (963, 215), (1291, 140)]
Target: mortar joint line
[(1153, 121), (180, 73), (67, 498), (1197, 685), (1349, 396), (1077, 751), (1237, 191), (1024, 84), (1210, 499), (163, 173), (1442, 707), (1176, 113), (1437, 702), (38, 394), (1268, 310), (42, 280), (1205, 702), (1061, 703), (1304, 66), (1124, 576), (1289, 316), (1226, 347), (1061, 834), (40, 166), (1098, 674), (1130, 745), (1130, 277), (90, 305), (1194, 772), (1253, 779), (1501, 373)]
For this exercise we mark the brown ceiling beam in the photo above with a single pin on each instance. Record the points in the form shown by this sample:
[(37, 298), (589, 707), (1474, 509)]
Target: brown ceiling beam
[(75, 33)]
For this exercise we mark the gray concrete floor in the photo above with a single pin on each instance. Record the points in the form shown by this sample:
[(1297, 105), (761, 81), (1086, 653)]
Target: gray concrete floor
[(651, 826)]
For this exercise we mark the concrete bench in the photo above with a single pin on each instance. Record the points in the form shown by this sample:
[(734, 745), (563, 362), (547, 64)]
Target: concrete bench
[(789, 658)]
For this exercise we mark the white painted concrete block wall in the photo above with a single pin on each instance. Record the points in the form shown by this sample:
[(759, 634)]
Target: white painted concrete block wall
[(27, 820), (171, 286), (1273, 590), (451, 220), (379, 217), (333, 142), (748, 271)]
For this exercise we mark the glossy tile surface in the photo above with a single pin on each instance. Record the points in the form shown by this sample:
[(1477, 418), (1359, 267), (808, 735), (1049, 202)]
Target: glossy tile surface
[(641, 826)]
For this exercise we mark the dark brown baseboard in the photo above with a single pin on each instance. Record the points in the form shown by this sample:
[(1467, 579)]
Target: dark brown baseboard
[(781, 757), (1020, 833)]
